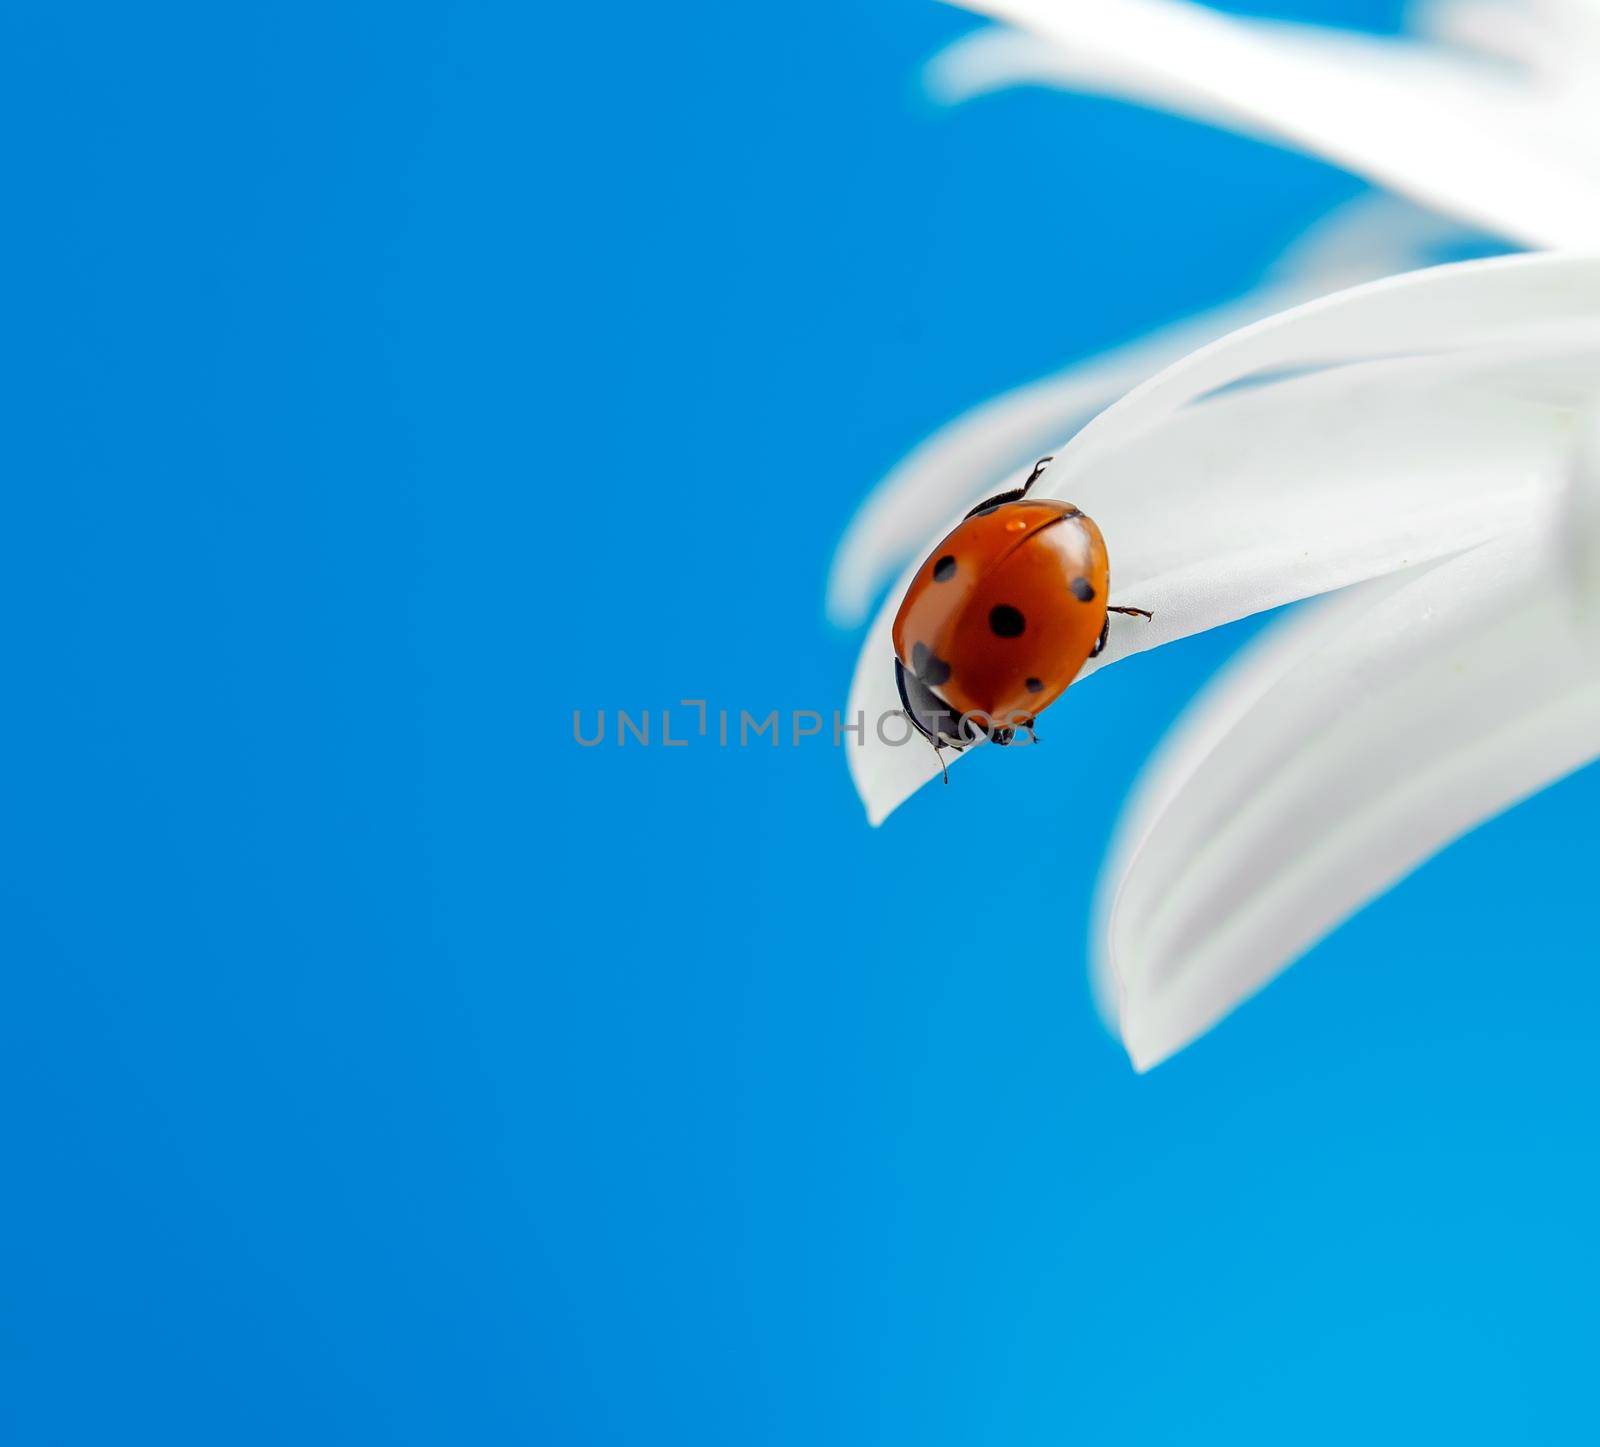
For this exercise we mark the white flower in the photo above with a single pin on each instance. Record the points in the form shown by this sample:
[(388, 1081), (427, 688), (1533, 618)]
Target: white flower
[(1425, 449), (1426, 437)]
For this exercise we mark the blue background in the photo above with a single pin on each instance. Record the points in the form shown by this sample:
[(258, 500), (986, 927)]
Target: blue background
[(385, 382)]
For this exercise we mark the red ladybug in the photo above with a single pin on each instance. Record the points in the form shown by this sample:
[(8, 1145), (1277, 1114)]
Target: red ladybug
[(1000, 618)]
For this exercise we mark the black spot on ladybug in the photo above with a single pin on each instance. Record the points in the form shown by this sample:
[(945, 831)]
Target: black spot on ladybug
[(928, 666), (1082, 590), (945, 569), (1034, 685), (1006, 621)]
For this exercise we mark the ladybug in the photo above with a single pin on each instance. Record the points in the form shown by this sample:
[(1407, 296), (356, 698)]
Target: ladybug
[(1000, 617)]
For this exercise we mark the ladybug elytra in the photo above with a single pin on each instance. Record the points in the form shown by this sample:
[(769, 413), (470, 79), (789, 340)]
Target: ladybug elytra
[(1000, 617)]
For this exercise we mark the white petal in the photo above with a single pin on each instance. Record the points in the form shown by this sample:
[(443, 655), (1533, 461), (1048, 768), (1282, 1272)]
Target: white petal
[(1475, 304), (1366, 239), (1581, 524), (971, 457), (1257, 497), (1459, 135), (998, 57), (1341, 751)]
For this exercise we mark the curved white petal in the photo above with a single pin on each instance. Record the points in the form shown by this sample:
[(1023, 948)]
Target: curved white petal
[(1581, 525), (1457, 134), (999, 57), (1220, 499), (1475, 304), (1370, 237), (1340, 752), (994, 58)]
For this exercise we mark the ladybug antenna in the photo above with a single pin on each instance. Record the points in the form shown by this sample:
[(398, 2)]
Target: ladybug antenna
[(938, 753)]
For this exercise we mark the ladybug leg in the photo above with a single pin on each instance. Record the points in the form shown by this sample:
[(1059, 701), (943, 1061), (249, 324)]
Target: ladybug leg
[(1015, 494), (1105, 628), (1038, 470)]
